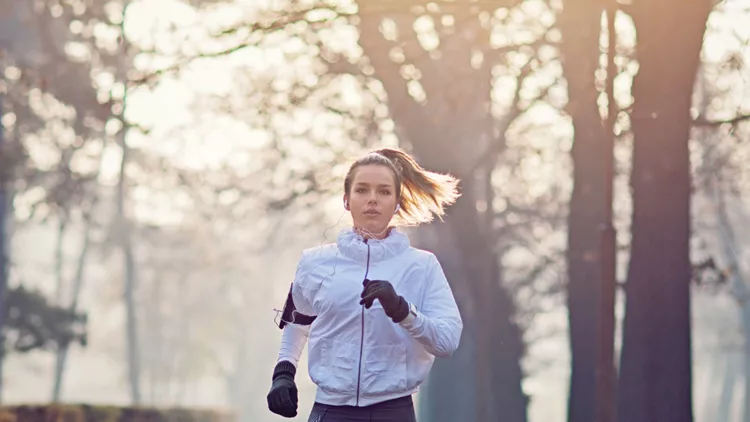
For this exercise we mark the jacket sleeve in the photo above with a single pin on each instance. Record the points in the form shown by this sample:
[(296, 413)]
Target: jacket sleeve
[(437, 325), (293, 341), (294, 336), (301, 293)]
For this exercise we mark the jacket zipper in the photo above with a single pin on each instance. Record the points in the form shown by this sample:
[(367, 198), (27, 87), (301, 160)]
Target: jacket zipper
[(362, 335)]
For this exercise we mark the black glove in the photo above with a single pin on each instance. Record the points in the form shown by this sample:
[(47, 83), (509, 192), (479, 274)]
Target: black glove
[(282, 399), (395, 306)]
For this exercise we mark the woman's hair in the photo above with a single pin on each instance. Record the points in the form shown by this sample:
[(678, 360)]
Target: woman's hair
[(421, 194)]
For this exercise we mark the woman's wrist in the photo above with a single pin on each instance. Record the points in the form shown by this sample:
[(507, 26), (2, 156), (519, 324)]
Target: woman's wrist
[(283, 368), (402, 311)]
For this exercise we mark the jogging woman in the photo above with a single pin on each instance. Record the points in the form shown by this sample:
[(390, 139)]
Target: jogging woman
[(374, 311)]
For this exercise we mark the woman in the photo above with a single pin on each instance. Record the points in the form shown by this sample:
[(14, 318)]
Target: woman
[(374, 310)]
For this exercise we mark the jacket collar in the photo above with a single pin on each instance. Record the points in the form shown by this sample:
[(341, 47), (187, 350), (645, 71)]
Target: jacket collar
[(352, 245)]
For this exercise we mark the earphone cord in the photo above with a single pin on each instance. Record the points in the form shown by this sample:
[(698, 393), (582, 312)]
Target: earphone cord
[(364, 232)]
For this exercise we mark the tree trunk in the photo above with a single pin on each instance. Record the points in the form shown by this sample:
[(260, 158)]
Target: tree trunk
[(452, 130), (62, 354), (4, 268), (737, 283), (134, 369), (580, 24), (59, 267), (126, 244), (655, 375), (727, 390), (709, 397), (474, 381), (497, 338), (60, 260), (156, 339), (746, 329)]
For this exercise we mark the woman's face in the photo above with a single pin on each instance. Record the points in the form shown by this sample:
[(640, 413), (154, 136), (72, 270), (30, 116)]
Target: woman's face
[(372, 199)]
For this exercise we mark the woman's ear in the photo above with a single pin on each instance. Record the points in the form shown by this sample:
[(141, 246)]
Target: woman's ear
[(346, 203)]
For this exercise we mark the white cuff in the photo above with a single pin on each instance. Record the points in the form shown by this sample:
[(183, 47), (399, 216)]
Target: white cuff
[(411, 318)]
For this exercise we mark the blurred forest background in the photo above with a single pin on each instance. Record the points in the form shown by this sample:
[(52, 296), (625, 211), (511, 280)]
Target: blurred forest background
[(164, 162)]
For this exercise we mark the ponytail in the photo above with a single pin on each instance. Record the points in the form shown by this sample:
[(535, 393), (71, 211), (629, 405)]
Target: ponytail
[(422, 194)]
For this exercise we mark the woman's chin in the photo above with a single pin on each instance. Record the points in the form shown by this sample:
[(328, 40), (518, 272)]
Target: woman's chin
[(370, 228)]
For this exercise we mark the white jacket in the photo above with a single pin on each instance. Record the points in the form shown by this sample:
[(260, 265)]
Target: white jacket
[(358, 356)]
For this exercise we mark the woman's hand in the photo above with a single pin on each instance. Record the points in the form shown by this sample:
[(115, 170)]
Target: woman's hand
[(282, 399), (395, 306)]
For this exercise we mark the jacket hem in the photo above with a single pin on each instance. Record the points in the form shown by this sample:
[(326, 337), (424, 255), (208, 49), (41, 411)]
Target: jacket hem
[(338, 399)]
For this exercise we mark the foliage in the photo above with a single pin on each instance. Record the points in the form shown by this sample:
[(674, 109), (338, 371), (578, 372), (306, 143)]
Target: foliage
[(51, 109), (32, 323), (89, 413)]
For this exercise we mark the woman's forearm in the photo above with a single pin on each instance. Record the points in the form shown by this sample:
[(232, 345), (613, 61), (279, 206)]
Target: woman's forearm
[(293, 341)]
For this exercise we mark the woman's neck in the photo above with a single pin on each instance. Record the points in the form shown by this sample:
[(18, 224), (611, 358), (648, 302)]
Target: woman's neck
[(366, 234)]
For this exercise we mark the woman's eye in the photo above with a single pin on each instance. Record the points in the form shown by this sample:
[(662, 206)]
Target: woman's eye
[(361, 190), (385, 192)]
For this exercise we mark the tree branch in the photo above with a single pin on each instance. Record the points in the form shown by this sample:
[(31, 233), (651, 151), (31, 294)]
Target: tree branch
[(703, 122), (401, 104), (263, 27), (497, 146)]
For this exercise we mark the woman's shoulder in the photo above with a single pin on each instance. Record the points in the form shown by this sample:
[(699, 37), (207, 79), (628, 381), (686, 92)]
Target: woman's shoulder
[(317, 253), (422, 256), (313, 258)]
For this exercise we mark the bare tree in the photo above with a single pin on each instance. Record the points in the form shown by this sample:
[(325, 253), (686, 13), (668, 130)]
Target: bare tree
[(431, 107), (580, 25), (655, 371), (44, 89)]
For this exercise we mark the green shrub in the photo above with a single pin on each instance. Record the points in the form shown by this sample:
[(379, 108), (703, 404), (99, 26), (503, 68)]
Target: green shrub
[(89, 413), (7, 416)]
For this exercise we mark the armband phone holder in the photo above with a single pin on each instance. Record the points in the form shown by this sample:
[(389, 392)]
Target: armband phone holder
[(290, 315)]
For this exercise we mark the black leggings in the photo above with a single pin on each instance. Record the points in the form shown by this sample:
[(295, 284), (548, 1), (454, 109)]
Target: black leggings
[(396, 410)]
